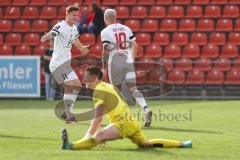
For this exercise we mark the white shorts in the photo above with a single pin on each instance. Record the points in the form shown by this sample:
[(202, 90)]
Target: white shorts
[(63, 73)]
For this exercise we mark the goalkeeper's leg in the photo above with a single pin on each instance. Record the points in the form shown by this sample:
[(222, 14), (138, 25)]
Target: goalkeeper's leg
[(165, 143), (109, 133)]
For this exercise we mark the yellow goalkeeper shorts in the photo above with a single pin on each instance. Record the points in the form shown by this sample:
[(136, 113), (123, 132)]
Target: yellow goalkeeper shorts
[(131, 130)]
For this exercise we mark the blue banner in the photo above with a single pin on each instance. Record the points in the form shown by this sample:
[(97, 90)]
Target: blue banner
[(19, 76)]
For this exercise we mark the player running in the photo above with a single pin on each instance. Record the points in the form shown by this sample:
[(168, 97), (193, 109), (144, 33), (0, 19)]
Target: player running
[(120, 48), (108, 100), (65, 34)]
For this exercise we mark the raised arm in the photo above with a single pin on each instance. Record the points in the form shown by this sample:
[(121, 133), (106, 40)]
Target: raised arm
[(48, 36)]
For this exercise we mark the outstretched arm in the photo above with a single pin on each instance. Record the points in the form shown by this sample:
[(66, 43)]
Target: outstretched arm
[(80, 46), (98, 116)]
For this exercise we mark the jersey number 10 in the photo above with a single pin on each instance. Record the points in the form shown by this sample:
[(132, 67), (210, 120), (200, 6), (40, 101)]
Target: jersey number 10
[(121, 40)]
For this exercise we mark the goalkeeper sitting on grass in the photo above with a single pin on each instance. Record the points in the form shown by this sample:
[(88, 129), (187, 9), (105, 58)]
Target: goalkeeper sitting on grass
[(108, 100)]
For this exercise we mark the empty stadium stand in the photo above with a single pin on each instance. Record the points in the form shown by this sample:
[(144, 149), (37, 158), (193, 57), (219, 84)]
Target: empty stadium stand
[(198, 40)]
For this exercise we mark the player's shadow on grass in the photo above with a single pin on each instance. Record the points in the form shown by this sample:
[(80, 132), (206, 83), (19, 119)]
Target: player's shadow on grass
[(157, 151), (26, 138), (182, 130)]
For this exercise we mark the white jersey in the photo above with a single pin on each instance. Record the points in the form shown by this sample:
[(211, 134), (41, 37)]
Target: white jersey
[(119, 38), (62, 43)]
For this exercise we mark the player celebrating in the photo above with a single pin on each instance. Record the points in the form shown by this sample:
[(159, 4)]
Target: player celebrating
[(64, 34), (122, 123), (120, 48)]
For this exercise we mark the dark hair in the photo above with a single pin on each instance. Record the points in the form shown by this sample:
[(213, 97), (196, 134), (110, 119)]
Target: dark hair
[(95, 7), (93, 70), (71, 9)]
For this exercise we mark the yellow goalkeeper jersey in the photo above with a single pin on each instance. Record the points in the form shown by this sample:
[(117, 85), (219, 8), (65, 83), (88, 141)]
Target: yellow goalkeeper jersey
[(115, 107)]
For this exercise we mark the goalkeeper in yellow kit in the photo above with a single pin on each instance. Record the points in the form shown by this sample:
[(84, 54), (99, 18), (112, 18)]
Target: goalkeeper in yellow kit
[(108, 100)]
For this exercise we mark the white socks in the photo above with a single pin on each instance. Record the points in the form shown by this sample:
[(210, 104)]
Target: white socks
[(69, 100), (140, 99)]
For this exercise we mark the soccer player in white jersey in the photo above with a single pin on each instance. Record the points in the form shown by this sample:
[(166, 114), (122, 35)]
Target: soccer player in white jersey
[(119, 49), (65, 34)]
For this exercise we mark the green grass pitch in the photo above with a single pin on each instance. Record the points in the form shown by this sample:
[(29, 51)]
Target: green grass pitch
[(29, 130)]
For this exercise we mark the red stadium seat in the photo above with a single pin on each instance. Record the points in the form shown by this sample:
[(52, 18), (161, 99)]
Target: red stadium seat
[(133, 24), (6, 50), (20, 2), (48, 13), (161, 39), (224, 25), (1, 39), (12, 13), (205, 25), (139, 12), (231, 11), (13, 39), (87, 2), (175, 12), (21, 26), (195, 77), (191, 51), (56, 2), (180, 39), (168, 25), (32, 39), (166, 62), (5, 26), (70, 2), (234, 2), (157, 12), (229, 51), (87, 39), (146, 2), (236, 63), (199, 39), (143, 39), (23, 50), (140, 52), (215, 77), (128, 2), (75, 52), (187, 25), (184, 64), (39, 50), (219, 1), (61, 13), (237, 25), (222, 64), (212, 11), (218, 38), (5, 3), (39, 26), (96, 50), (153, 51), (110, 2), (176, 77), (233, 77), (1, 13), (30, 13), (172, 51), (203, 64), (150, 25), (194, 12), (201, 2), (38, 2), (234, 38), (210, 51), (164, 2), (122, 12), (183, 2)]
